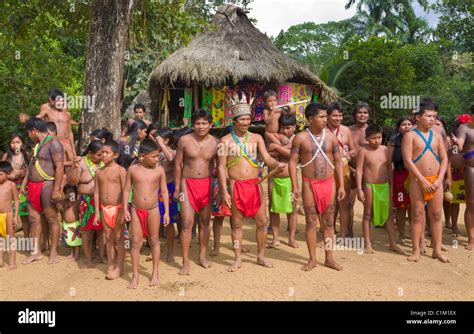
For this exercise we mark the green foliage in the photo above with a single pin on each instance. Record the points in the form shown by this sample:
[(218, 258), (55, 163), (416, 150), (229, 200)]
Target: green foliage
[(455, 28), (42, 45)]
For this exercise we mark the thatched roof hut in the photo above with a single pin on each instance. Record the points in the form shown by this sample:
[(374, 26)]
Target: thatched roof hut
[(231, 53)]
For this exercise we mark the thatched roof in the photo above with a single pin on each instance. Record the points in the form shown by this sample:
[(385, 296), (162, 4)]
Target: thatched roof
[(232, 52)]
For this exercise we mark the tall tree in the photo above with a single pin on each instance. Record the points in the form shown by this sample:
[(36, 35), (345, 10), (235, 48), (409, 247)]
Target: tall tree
[(104, 65)]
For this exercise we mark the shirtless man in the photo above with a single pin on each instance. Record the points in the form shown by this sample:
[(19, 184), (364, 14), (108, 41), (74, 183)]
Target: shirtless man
[(361, 118), (195, 156), (425, 157), (347, 150), (55, 110), (139, 111), (318, 150), (146, 178), (45, 174), (237, 159), (83, 175), (465, 136)]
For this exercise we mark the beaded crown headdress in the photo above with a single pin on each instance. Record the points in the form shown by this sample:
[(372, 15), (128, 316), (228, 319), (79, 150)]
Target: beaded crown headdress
[(239, 107)]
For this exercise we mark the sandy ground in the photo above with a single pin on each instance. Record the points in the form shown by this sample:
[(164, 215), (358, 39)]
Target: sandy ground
[(381, 276)]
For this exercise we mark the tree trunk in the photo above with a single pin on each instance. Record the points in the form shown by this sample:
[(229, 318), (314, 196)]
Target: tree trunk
[(104, 66)]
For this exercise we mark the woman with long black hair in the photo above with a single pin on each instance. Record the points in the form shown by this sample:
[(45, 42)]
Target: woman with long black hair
[(130, 143)]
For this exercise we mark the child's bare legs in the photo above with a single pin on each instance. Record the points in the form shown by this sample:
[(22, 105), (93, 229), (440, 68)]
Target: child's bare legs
[(434, 211), (87, 247), (366, 219), (400, 216), (110, 248), (217, 231), (77, 253), (447, 214), (417, 225), (275, 224), (454, 210), (137, 242), (390, 226), (12, 245), (45, 245), (99, 234), (26, 226), (34, 218), (292, 220), (153, 225), (170, 242)]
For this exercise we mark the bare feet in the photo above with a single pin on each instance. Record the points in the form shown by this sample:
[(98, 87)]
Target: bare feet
[(415, 257), (53, 259), (264, 262), (443, 247), (397, 249), (184, 270), (309, 266), (456, 233), (12, 266), (440, 257), (154, 281), (113, 274), (170, 258), (274, 244), (214, 252), (204, 263), (368, 249), (88, 264), (235, 266), (32, 258), (332, 264), (133, 283), (293, 244)]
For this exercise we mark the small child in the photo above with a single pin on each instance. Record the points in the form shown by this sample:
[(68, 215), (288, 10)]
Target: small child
[(374, 169), (72, 228), (8, 218), (164, 138), (281, 201), (109, 184), (146, 178)]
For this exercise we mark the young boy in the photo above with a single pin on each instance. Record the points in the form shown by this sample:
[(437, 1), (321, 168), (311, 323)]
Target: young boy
[(109, 183), (164, 138), (72, 228), (374, 168), (271, 115), (146, 178), (425, 157), (8, 219), (281, 201)]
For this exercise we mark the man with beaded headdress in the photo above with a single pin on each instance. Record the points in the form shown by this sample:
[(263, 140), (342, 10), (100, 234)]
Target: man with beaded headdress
[(237, 158)]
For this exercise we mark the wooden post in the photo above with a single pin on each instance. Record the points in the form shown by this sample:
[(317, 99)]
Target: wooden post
[(196, 95), (165, 119)]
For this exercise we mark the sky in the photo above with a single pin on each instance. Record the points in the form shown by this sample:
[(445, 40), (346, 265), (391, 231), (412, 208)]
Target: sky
[(274, 15)]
